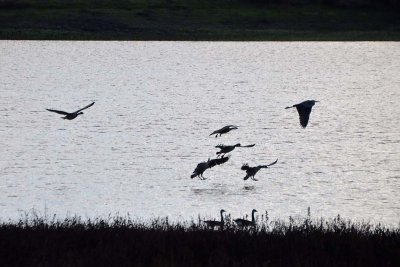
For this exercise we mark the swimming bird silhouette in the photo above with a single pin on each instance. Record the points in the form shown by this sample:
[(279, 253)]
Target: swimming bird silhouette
[(226, 149), (224, 130), (244, 222), (251, 171), (203, 166), (214, 223), (72, 115), (304, 110)]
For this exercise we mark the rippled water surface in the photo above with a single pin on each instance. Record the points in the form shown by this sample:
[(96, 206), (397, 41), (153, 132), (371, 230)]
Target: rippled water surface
[(156, 104)]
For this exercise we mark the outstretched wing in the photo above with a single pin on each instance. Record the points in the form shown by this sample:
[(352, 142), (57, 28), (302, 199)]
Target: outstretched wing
[(249, 145), (221, 146), (217, 161), (304, 114), (58, 111), (88, 106), (273, 163), (231, 127)]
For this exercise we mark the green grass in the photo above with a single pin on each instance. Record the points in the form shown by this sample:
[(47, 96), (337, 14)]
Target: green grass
[(192, 20)]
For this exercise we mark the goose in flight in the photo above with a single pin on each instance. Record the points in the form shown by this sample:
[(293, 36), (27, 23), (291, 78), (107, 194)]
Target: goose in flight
[(251, 171), (244, 222), (203, 166), (73, 115), (224, 130), (214, 223), (226, 149), (304, 110)]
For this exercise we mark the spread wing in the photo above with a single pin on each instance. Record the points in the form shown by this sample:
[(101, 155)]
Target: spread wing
[(249, 145), (273, 163), (88, 106), (217, 161), (58, 111), (304, 114), (220, 146)]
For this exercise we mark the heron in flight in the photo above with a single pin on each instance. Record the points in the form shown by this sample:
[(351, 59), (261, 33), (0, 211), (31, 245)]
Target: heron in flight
[(226, 149), (304, 110), (203, 166), (244, 222), (251, 171), (224, 130), (72, 115), (214, 223)]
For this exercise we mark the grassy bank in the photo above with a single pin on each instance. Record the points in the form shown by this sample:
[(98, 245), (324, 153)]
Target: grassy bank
[(121, 241), (198, 20)]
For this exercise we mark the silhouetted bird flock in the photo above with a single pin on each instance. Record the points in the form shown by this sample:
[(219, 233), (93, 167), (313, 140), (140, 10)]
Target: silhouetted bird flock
[(304, 109)]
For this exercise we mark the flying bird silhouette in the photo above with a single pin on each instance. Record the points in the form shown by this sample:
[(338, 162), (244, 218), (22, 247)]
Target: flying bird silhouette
[(251, 171), (304, 110), (226, 149), (244, 222), (224, 130), (214, 223), (203, 166), (72, 115)]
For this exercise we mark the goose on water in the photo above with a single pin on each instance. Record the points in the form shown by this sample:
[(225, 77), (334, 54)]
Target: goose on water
[(72, 115), (226, 149), (224, 130), (214, 223), (304, 110), (203, 166), (244, 222), (251, 171)]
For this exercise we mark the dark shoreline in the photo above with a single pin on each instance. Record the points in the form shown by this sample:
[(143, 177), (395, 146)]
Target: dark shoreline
[(121, 241), (199, 20)]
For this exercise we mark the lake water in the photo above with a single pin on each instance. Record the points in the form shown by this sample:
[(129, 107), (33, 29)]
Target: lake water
[(156, 104)]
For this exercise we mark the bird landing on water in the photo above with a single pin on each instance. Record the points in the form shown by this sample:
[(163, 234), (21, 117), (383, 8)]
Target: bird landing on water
[(304, 110), (252, 171), (203, 166), (226, 149)]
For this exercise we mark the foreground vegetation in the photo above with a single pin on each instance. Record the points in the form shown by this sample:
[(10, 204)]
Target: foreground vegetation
[(200, 19), (122, 241)]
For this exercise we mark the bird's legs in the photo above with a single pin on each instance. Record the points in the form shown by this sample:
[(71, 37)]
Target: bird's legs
[(254, 179)]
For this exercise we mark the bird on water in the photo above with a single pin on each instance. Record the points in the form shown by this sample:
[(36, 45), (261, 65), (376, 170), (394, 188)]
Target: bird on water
[(244, 222), (203, 166), (304, 110), (72, 115), (251, 171), (214, 223), (226, 149), (224, 130)]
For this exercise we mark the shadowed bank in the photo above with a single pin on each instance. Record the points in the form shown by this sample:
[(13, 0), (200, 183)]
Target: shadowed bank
[(245, 20), (122, 241)]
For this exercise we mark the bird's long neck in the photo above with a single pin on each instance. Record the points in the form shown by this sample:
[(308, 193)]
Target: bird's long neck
[(252, 217), (222, 217)]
